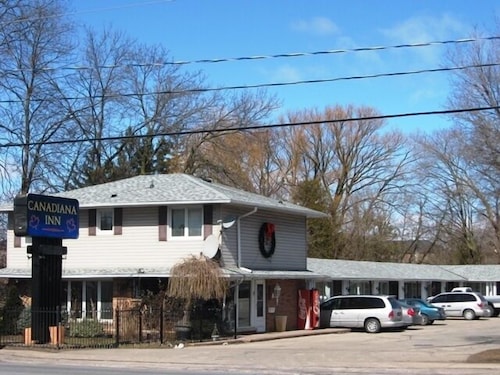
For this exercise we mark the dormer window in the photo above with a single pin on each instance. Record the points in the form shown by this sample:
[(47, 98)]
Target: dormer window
[(186, 222)]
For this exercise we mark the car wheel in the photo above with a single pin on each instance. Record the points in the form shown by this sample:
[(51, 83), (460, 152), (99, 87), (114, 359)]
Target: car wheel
[(431, 322), (372, 325), (489, 310), (425, 320), (469, 314)]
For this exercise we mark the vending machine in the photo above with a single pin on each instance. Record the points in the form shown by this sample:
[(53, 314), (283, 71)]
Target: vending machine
[(308, 309)]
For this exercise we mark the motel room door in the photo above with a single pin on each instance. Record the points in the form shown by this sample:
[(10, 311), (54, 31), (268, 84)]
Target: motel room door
[(259, 315)]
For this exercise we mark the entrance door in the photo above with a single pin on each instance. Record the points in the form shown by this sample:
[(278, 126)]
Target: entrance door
[(260, 306)]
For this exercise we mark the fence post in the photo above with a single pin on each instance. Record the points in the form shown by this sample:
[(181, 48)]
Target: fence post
[(161, 324), (140, 324), (58, 325), (117, 328)]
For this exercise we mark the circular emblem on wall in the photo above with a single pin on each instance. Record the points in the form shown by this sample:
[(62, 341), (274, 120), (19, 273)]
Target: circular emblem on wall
[(267, 240)]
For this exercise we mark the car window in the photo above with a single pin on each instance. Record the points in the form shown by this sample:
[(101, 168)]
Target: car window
[(414, 303), (469, 298), (336, 303), (373, 303), (327, 305), (440, 298), (423, 303), (457, 297), (330, 304), (481, 297), (346, 303), (394, 303)]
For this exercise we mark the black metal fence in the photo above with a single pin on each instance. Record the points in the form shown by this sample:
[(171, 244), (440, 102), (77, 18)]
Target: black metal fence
[(112, 328)]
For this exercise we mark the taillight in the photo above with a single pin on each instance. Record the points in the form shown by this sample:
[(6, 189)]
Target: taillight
[(481, 305), (391, 314), (411, 312)]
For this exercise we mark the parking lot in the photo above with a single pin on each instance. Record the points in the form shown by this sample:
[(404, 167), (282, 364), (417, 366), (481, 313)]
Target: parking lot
[(441, 348)]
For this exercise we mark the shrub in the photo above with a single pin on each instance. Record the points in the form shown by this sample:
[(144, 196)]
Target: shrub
[(86, 328), (24, 319), (10, 311)]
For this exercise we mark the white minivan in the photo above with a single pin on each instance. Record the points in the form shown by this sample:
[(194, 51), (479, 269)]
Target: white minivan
[(470, 305), (362, 311)]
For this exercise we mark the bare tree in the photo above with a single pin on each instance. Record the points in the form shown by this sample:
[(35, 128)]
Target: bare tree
[(455, 196), (34, 42), (363, 168), (479, 131), (209, 154)]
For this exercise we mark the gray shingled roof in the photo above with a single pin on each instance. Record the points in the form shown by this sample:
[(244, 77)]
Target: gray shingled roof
[(334, 269), (337, 269), (151, 190), (483, 272)]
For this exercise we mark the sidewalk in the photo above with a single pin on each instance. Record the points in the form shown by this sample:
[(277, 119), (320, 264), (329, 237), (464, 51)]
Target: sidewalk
[(273, 336), (150, 356)]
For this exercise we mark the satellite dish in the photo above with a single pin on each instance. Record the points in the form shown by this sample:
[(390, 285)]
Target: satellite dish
[(228, 222), (210, 246)]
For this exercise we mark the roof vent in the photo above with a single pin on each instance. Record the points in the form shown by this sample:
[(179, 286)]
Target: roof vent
[(114, 195), (151, 185)]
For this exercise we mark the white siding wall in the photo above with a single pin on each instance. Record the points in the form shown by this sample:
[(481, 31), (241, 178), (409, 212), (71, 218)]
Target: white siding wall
[(16, 256), (291, 243), (139, 247)]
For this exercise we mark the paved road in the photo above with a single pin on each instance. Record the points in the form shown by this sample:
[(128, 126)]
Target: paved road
[(442, 348)]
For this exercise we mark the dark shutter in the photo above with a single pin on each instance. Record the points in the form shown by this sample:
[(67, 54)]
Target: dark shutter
[(92, 222), (207, 220), (162, 223), (117, 221)]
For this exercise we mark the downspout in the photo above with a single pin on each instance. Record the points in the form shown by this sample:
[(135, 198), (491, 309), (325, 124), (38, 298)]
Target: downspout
[(238, 261)]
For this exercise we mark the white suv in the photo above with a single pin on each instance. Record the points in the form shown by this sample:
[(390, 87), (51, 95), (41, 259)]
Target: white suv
[(362, 311), (470, 305)]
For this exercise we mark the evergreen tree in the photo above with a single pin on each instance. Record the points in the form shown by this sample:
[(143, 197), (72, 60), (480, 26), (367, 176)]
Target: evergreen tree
[(311, 194)]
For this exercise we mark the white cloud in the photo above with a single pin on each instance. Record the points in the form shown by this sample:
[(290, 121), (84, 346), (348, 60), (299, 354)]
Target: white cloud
[(286, 73), (317, 26), (426, 29)]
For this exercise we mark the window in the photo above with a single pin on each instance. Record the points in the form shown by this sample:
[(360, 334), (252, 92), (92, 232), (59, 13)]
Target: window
[(186, 222), (90, 299), (360, 287), (260, 300), (105, 220), (441, 298)]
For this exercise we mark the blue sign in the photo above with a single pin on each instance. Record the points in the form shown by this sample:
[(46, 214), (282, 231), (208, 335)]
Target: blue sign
[(46, 216)]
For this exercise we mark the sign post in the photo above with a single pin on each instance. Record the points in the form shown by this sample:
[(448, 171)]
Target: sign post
[(48, 220)]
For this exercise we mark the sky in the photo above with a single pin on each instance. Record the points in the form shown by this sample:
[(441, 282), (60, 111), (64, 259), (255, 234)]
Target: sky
[(211, 29)]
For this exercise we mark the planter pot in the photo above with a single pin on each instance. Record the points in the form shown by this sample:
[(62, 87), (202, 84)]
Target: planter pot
[(56, 335), (27, 336), (280, 323)]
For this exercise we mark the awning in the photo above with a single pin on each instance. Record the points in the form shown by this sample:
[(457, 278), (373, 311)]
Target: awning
[(110, 273), (249, 274)]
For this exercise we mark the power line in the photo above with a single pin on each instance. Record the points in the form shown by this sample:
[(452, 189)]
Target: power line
[(334, 51), (261, 57), (264, 85), (253, 127)]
